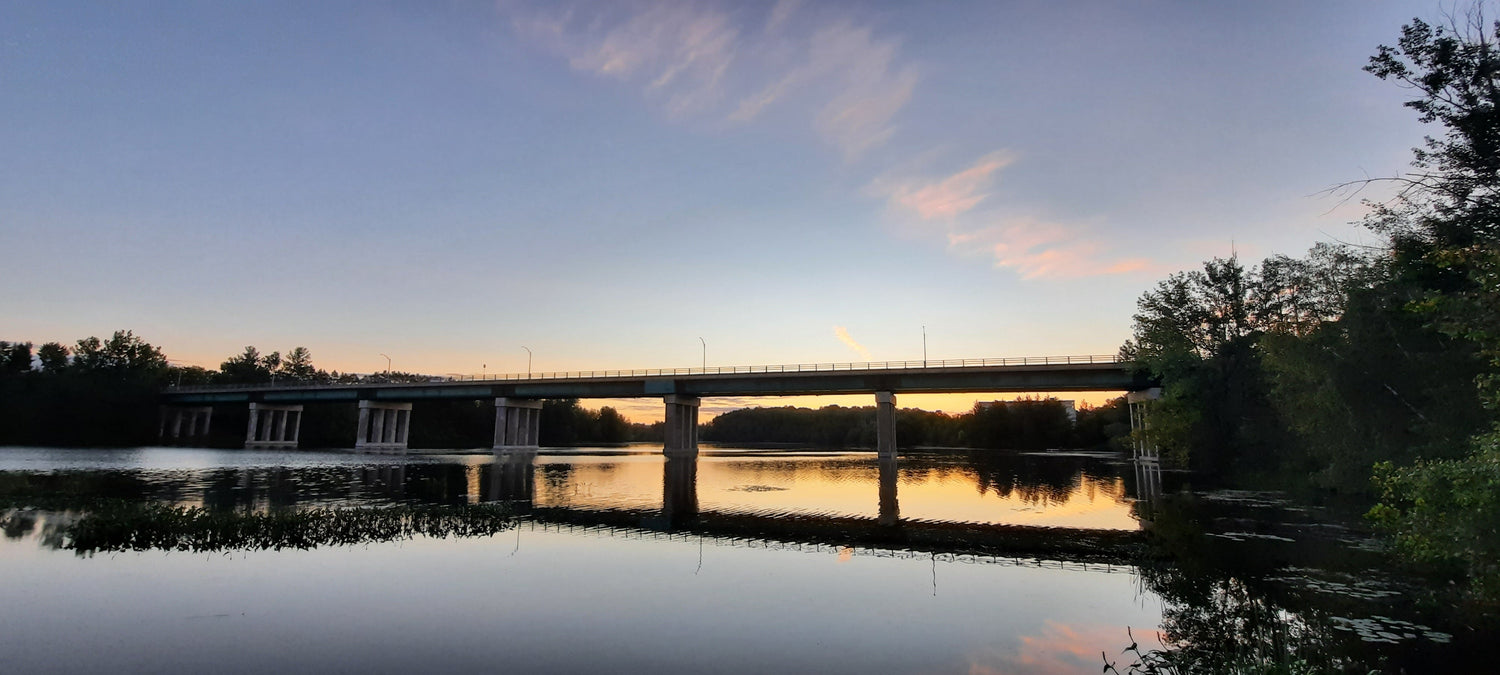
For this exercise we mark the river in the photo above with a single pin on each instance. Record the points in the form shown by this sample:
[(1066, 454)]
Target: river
[(589, 559)]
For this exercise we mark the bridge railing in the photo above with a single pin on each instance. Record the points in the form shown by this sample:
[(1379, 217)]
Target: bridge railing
[(375, 379)]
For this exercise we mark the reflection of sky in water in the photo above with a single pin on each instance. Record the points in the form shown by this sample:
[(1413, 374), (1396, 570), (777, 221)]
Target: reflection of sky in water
[(544, 599), (536, 600)]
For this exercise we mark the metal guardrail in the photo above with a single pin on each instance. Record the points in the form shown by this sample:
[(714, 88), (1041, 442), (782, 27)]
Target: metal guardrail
[(659, 372)]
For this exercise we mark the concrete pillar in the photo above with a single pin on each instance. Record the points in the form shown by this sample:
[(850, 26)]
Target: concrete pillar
[(377, 426), (383, 427), (253, 427), (179, 422), (681, 427), (518, 424), (362, 432), (885, 423), (1143, 446), (272, 426)]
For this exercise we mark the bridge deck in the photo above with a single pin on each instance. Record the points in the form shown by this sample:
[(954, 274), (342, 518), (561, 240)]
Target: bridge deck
[(1031, 374)]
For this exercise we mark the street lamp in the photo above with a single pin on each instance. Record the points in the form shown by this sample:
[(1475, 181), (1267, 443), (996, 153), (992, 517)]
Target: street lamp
[(924, 346), (705, 354), (387, 364), (528, 360)]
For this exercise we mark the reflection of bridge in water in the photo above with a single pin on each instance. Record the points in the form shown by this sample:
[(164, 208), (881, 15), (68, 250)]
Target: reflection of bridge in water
[(511, 479), (780, 544)]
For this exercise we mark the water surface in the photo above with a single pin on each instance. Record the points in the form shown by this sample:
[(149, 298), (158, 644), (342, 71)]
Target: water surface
[(621, 559)]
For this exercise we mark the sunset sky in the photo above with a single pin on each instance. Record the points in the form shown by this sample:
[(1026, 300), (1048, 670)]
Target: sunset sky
[(607, 183)]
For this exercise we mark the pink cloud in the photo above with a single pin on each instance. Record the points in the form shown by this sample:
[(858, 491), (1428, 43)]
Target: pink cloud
[(1034, 247), (953, 195)]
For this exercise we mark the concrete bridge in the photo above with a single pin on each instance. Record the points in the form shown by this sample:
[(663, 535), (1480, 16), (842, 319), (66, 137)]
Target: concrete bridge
[(385, 408)]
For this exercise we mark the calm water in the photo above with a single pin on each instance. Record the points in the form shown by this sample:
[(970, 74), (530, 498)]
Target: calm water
[(624, 561)]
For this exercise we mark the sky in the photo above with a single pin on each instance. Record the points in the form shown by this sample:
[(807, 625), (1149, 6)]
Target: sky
[(648, 185)]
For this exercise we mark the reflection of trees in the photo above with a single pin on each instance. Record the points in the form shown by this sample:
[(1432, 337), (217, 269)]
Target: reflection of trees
[(136, 527), (1038, 479), (1225, 611)]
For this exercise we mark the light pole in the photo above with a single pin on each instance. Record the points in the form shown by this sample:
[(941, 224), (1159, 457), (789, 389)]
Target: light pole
[(528, 360), (387, 364), (705, 354), (924, 346)]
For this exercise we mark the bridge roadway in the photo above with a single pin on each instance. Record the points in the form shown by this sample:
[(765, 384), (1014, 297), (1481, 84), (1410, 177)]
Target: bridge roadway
[(385, 407), (1029, 374)]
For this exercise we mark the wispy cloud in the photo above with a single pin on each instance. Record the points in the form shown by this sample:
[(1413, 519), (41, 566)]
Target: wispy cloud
[(843, 335), (703, 60), (1032, 246), (951, 196)]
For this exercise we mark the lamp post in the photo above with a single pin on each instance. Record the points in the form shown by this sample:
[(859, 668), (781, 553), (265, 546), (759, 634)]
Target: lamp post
[(528, 360), (924, 346), (705, 354), (387, 364)]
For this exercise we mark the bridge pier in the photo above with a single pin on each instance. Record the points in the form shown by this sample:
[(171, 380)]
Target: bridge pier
[(175, 420), (681, 427), (383, 427), (518, 424), (1143, 446), (273, 426), (885, 424)]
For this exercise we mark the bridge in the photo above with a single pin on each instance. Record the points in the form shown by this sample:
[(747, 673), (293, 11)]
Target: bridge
[(385, 407)]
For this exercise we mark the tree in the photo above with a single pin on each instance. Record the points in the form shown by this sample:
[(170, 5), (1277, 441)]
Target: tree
[(298, 366), (122, 355), (54, 358), (1445, 232), (249, 367), (15, 358)]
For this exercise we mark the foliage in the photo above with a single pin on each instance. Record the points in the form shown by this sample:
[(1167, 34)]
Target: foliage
[(103, 393), (1445, 228), (122, 356), (1446, 513)]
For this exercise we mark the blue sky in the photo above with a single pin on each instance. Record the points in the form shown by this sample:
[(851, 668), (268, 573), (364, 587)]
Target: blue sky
[(606, 183)]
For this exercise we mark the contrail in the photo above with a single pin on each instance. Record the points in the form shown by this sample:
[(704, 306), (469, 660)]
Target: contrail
[(843, 336)]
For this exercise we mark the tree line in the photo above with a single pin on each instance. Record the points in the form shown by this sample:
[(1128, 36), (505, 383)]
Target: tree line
[(1025, 424), (1369, 371), (104, 392)]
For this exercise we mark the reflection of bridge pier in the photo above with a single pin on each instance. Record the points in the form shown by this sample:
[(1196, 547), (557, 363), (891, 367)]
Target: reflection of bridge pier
[(1147, 488), (513, 479), (679, 489), (890, 510)]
